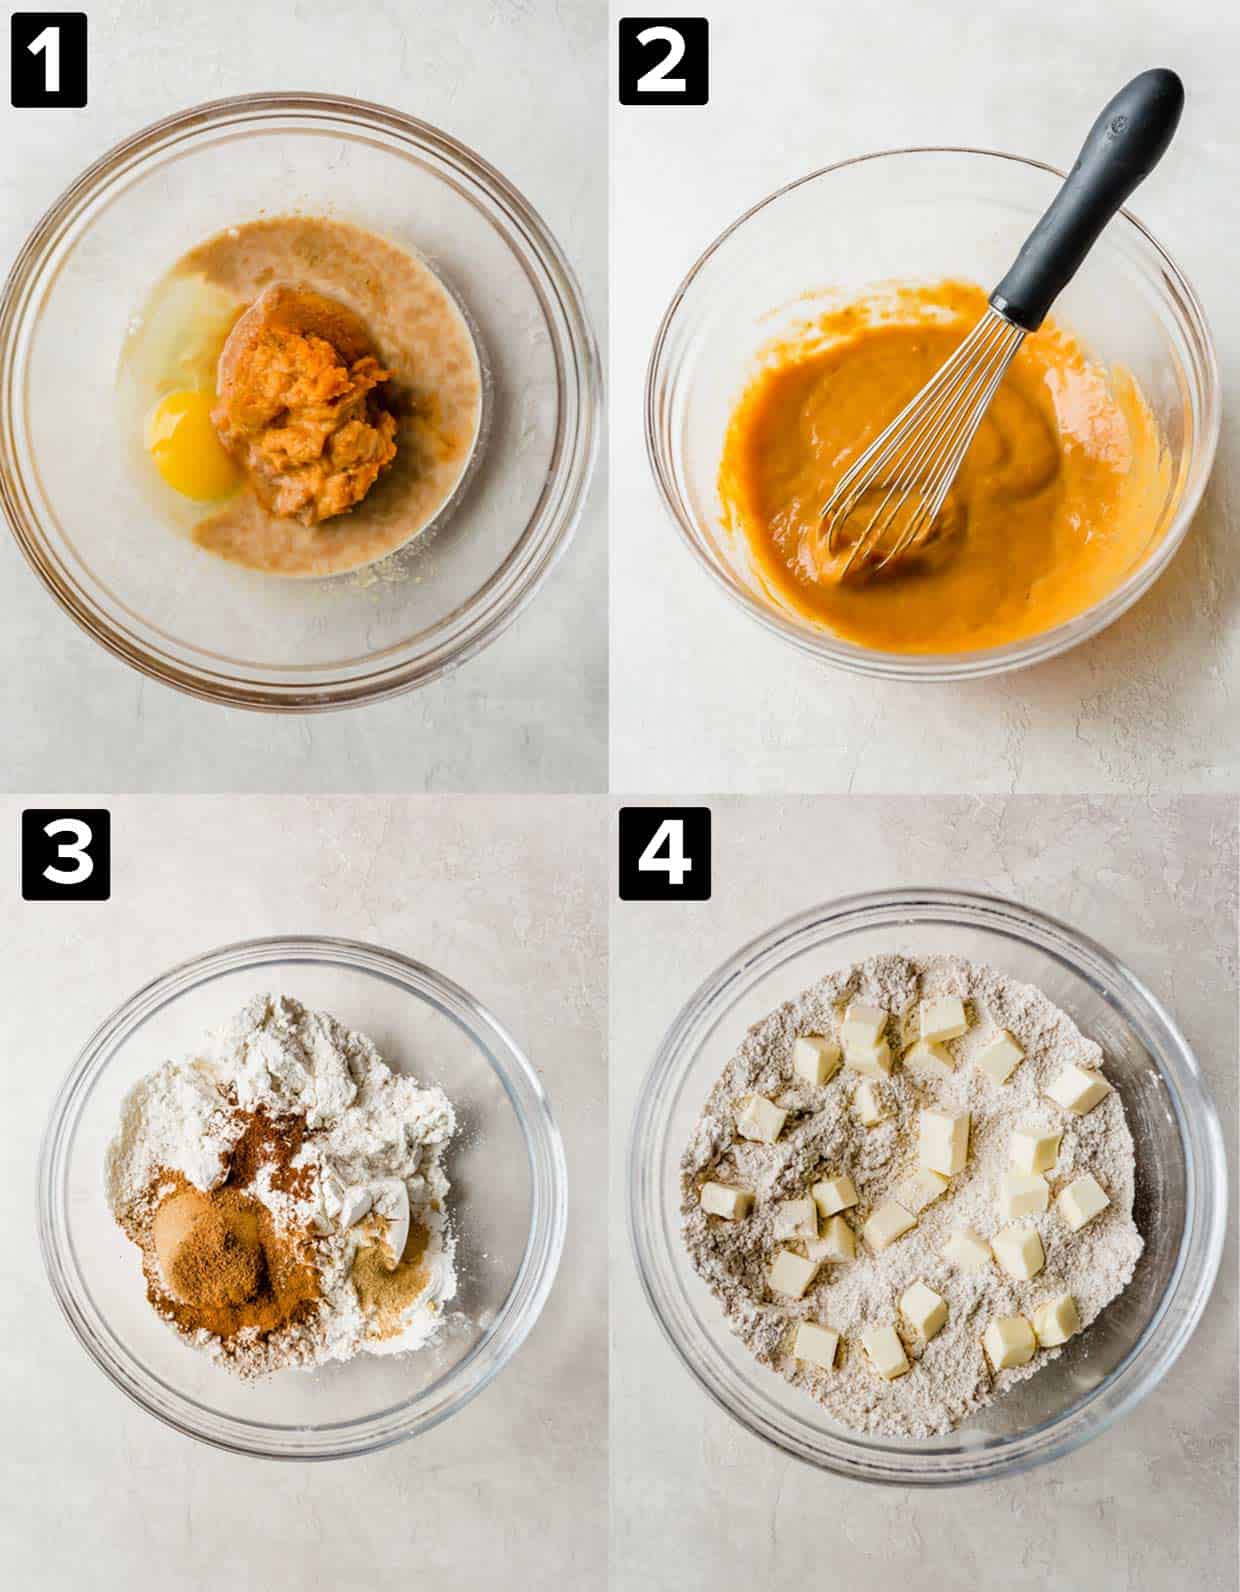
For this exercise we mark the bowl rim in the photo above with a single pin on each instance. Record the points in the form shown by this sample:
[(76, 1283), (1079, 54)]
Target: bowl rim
[(1203, 1235), (936, 667), (507, 591), (513, 1320)]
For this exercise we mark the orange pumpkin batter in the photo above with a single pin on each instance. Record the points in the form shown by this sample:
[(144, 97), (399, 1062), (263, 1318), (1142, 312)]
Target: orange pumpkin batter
[(1057, 500)]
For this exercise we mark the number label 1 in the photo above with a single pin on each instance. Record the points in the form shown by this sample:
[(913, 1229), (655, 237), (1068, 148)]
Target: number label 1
[(66, 854), (664, 853), (664, 60), (47, 59)]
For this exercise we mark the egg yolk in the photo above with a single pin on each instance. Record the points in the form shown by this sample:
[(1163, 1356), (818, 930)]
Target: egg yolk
[(187, 453)]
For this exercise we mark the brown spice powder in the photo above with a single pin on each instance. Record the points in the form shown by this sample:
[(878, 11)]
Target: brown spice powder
[(385, 1293)]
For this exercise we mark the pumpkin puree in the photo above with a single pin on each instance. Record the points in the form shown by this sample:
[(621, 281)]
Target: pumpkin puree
[(1057, 502)]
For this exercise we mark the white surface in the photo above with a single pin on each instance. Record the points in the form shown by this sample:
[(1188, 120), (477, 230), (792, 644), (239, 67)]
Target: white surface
[(524, 86), (701, 697), (512, 1490), (699, 1505)]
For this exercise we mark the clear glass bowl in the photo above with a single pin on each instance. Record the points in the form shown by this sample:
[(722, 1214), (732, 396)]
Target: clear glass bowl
[(185, 616), (1181, 1190), (508, 1201), (914, 215)]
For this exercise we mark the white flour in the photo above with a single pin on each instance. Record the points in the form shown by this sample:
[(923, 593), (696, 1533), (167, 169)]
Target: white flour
[(951, 1376)]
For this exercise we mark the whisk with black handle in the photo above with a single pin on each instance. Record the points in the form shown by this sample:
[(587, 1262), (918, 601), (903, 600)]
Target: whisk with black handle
[(906, 473)]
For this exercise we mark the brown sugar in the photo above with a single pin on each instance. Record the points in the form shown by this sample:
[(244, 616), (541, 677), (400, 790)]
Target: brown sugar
[(384, 1292)]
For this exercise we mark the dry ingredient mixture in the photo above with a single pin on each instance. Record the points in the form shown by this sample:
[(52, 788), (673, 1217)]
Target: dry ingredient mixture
[(286, 1190), (824, 1154)]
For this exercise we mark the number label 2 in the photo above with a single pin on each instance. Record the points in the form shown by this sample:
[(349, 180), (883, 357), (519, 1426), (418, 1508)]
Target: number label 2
[(664, 60), (664, 853)]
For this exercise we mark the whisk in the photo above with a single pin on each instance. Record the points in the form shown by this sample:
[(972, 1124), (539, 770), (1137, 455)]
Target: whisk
[(907, 471)]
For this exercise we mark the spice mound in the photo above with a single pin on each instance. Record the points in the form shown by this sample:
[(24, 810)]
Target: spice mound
[(286, 1191)]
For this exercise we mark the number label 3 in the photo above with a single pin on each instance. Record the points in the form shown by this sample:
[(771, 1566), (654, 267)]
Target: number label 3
[(664, 853), (66, 854), (664, 60)]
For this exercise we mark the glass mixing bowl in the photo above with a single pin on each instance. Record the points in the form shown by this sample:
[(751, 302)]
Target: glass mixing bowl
[(915, 215), (508, 1201), (1181, 1188), (185, 616)]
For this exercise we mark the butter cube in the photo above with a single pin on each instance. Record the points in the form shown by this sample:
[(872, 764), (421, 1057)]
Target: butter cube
[(1001, 1057), (943, 1140), (838, 1240), (717, 1199), (874, 1063), (796, 1219), (1019, 1252), (1034, 1151), (922, 1189), (868, 1103), (791, 1273), (834, 1194), (885, 1351), (1079, 1089), (814, 1059), (929, 1059), (1081, 1201), (760, 1119), (1056, 1321), (887, 1223), (863, 1026), (924, 1310), (965, 1249), (943, 1018), (816, 1344), (1009, 1341), (1022, 1194)]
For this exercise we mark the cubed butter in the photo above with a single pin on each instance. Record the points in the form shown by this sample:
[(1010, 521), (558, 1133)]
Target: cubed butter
[(760, 1119), (1022, 1194), (791, 1273), (1019, 1252), (838, 1240), (873, 1063), (922, 1189), (924, 1310), (816, 1344), (868, 1103), (929, 1059), (1056, 1321), (885, 1351), (1009, 1341), (1032, 1150), (943, 1017), (717, 1199), (796, 1219), (834, 1194), (1078, 1089), (943, 1140), (863, 1026), (965, 1249), (815, 1059), (886, 1223), (1000, 1058), (1081, 1201)]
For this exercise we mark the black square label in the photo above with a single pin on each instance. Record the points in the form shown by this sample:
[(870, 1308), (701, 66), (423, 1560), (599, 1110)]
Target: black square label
[(47, 59), (66, 854), (665, 854), (664, 60)]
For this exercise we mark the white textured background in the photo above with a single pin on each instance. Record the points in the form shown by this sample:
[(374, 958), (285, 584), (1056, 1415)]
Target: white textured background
[(510, 1491), (699, 1505), (702, 698), (520, 81)]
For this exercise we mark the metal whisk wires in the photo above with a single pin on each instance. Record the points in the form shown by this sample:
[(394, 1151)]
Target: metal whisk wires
[(913, 463)]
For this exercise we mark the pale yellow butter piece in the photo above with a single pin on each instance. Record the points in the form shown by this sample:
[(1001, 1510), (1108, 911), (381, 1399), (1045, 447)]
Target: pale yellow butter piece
[(760, 1119), (1032, 1150), (885, 1351), (863, 1026), (1078, 1089), (1081, 1201), (943, 1017), (964, 1248), (929, 1059), (1001, 1057), (791, 1273), (1019, 1252), (814, 1059), (943, 1140), (886, 1223), (816, 1344), (718, 1199), (1056, 1321), (834, 1194), (1009, 1341), (873, 1063), (1022, 1194), (924, 1310), (868, 1103), (796, 1219), (922, 1189)]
